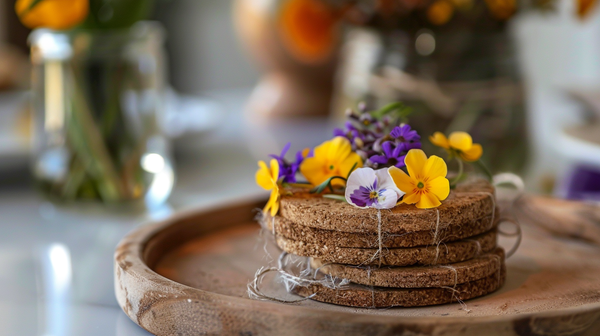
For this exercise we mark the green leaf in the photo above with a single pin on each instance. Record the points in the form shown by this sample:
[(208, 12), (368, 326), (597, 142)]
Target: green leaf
[(117, 14), (336, 197), (327, 183), (351, 170), (397, 109)]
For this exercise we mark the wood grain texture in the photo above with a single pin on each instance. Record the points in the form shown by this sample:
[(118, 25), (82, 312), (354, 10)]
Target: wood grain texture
[(188, 274), (563, 218)]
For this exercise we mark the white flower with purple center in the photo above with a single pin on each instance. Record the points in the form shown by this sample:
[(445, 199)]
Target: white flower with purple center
[(368, 188)]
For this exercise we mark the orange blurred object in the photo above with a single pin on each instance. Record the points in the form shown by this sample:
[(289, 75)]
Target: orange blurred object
[(584, 7), (309, 29), (440, 12), (502, 9), (53, 14)]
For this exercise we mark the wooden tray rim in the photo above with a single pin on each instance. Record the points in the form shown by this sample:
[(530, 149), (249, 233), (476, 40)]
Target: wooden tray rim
[(129, 259)]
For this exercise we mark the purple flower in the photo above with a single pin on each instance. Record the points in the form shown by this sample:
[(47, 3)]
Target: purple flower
[(410, 145), (392, 155), (366, 196), (403, 133), (288, 170), (368, 188), (350, 133)]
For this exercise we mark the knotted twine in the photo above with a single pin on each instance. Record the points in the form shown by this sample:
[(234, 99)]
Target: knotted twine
[(290, 280)]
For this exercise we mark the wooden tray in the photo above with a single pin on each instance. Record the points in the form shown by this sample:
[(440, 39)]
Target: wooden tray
[(188, 276)]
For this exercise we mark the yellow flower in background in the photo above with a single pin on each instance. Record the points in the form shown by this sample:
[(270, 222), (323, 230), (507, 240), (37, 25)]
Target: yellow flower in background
[(309, 29), (460, 143), (584, 7), (462, 4), (267, 179), (502, 9), (440, 12), (332, 158), (426, 185), (53, 14)]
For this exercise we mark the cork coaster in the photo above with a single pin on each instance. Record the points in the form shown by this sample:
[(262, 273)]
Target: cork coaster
[(445, 233), (467, 203), (377, 297), (420, 255), (417, 277)]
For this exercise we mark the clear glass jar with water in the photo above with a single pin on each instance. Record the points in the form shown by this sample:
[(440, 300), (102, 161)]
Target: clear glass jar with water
[(98, 98)]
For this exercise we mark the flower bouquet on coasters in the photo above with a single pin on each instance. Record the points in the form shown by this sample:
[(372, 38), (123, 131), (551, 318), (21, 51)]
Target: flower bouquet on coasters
[(367, 219)]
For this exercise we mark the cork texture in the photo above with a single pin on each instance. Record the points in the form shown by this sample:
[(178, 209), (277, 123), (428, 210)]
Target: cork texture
[(421, 255), (469, 202), (416, 277), (445, 233), (377, 297)]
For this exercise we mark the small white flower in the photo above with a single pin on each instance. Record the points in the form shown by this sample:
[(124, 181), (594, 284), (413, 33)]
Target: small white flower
[(368, 188)]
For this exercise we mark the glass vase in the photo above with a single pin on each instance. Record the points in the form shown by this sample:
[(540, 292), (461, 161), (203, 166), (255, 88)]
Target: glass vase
[(98, 99), (454, 79)]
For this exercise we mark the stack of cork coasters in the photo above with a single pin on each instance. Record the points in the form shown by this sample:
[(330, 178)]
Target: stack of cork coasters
[(403, 256)]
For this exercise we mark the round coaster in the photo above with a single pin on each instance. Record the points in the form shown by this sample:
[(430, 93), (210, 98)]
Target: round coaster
[(376, 297), (467, 203), (453, 252), (416, 277), (443, 233)]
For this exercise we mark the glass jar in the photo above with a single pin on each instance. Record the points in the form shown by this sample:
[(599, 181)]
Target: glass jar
[(454, 79), (98, 98)]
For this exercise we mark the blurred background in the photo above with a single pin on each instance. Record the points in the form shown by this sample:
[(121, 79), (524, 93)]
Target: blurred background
[(522, 77), (170, 103)]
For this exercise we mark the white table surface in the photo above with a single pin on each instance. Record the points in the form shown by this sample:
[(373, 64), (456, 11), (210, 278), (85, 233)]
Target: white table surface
[(57, 262)]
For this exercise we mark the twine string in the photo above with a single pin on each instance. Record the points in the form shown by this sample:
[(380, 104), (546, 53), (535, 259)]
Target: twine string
[(309, 276), (517, 182), (518, 233), (379, 236)]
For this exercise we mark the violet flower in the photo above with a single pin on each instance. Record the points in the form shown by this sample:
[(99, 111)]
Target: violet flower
[(368, 188), (288, 170), (403, 133), (350, 133), (392, 155)]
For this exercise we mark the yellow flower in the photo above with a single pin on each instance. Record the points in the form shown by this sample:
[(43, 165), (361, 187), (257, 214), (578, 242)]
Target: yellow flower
[(267, 179), (310, 29), (53, 14), (440, 12), (584, 7), (502, 9), (460, 143), (331, 158), (427, 184)]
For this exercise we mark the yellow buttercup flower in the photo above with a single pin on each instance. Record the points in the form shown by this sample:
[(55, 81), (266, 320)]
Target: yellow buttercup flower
[(53, 14), (426, 185), (267, 179), (459, 143), (332, 158)]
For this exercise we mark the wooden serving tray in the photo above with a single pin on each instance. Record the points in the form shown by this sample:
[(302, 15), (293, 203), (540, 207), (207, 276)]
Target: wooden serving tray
[(188, 275)]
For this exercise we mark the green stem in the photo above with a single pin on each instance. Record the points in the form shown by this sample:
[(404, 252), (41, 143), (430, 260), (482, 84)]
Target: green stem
[(460, 173), (340, 198), (485, 170), (88, 144), (76, 177)]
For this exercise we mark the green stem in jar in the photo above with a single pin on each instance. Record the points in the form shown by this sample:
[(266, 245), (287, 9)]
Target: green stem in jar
[(88, 145)]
